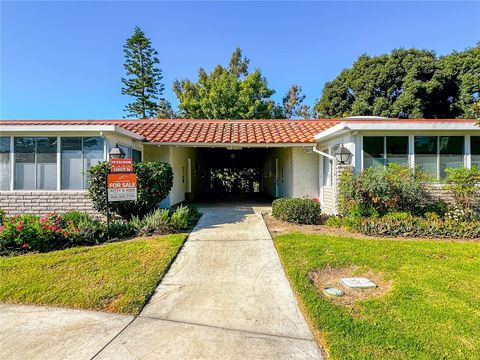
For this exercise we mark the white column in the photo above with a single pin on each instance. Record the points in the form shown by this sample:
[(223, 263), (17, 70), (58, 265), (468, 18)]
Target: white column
[(12, 165), (59, 159), (468, 152)]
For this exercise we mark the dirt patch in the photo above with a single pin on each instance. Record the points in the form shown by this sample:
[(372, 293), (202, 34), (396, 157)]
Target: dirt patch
[(330, 277), (279, 227)]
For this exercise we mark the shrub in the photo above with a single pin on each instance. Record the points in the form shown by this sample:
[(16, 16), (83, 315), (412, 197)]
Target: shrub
[(193, 215), (90, 232), (120, 228), (377, 191), (74, 216), (154, 181), (2, 216), (157, 222), (300, 211), (463, 185), (411, 226), (31, 233), (179, 219)]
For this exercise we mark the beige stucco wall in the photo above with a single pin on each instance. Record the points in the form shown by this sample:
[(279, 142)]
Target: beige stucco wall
[(184, 177)]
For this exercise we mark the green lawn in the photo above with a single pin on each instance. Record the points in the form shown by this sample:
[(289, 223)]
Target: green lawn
[(118, 277), (432, 311)]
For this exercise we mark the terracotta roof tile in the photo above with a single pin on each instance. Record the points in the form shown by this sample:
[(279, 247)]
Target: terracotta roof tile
[(216, 131)]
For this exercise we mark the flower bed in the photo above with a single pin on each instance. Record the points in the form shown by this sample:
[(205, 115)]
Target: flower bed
[(24, 233)]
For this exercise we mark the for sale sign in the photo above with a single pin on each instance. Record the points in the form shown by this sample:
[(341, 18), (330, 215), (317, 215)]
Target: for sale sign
[(122, 187), (121, 165)]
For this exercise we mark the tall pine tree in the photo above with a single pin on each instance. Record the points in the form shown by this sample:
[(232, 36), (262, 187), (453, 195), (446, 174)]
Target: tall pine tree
[(143, 80)]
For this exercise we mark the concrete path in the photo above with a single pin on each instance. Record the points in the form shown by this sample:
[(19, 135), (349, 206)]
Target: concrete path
[(225, 297)]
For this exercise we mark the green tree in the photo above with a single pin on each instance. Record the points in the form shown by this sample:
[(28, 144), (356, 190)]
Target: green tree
[(165, 110), (293, 106), (226, 93), (143, 77), (407, 83)]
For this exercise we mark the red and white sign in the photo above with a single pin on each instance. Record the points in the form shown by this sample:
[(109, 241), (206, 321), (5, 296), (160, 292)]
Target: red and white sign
[(121, 165), (122, 187)]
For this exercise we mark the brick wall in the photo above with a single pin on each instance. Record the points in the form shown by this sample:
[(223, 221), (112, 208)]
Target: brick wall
[(43, 202)]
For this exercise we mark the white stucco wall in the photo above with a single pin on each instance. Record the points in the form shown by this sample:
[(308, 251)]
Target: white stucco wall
[(304, 173)]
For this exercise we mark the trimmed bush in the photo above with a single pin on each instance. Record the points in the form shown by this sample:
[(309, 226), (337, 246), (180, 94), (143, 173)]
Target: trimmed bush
[(154, 181), (299, 211)]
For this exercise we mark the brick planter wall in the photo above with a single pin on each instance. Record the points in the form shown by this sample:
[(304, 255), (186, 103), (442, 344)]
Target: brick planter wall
[(43, 202)]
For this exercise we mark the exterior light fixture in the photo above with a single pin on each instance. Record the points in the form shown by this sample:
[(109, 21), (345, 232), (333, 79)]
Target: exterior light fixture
[(342, 155), (117, 153)]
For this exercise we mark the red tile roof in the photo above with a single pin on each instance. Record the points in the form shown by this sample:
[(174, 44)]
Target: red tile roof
[(207, 131), (223, 131)]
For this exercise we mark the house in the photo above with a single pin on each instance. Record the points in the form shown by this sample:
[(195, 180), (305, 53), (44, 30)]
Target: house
[(43, 162)]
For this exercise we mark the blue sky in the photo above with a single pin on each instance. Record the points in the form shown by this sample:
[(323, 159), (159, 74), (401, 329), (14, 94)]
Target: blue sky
[(63, 60)]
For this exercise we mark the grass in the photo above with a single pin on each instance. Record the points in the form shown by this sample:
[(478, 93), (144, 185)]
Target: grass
[(118, 277), (432, 311)]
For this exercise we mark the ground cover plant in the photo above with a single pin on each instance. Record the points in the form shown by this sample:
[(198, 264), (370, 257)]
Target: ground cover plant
[(118, 277), (431, 311)]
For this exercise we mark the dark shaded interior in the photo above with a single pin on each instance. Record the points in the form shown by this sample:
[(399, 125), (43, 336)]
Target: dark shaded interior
[(233, 174)]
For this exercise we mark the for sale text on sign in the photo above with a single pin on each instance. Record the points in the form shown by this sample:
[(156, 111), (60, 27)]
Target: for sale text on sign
[(121, 165), (122, 187)]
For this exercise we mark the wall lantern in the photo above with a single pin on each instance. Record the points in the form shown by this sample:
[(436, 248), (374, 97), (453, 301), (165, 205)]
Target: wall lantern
[(117, 153), (343, 155)]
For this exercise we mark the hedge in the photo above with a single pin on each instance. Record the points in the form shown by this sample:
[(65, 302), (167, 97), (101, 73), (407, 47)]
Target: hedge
[(299, 211)]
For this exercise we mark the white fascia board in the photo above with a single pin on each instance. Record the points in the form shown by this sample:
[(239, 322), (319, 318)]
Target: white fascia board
[(392, 125), (336, 130), (69, 128), (234, 145)]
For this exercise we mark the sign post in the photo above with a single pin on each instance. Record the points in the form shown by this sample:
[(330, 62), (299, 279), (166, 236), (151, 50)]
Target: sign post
[(120, 184)]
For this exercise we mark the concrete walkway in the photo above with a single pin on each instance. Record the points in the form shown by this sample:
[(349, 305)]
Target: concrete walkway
[(225, 297)]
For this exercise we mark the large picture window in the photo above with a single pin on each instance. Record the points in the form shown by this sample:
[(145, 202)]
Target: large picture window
[(4, 163), (35, 163), (383, 150), (78, 154), (475, 150), (436, 153)]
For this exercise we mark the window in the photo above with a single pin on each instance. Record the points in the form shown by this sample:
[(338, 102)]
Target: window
[(35, 163), (397, 150), (4, 163), (127, 150), (373, 151), (451, 153), (475, 150), (136, 156), (78, 154), (426, 154), (383, 150), (436, 153)]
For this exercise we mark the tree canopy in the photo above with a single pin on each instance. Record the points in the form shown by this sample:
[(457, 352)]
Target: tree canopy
[(406, 83), (143, 80), (226, 93)]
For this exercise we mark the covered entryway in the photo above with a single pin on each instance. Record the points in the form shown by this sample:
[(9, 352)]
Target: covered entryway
[(236, 174)]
